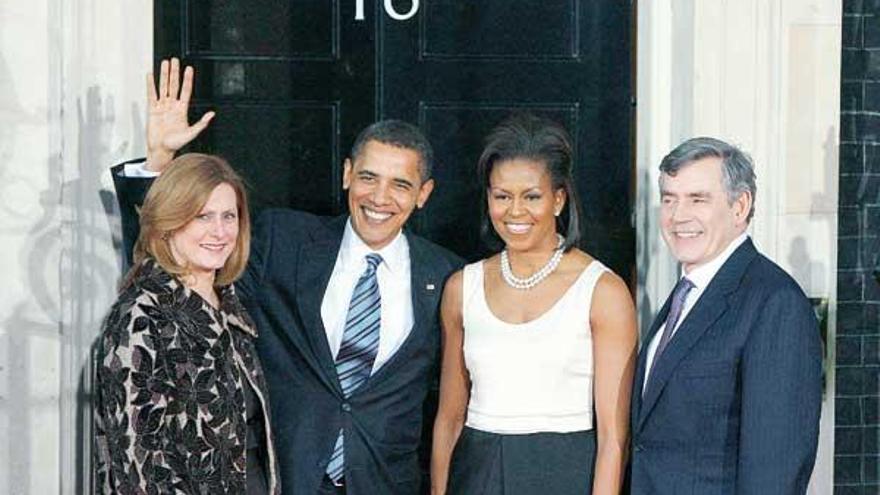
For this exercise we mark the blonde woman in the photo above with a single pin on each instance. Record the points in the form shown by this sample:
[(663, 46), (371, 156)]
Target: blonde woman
[(181, 399)]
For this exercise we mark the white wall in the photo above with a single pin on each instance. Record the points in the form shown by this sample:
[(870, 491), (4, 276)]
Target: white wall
[(71, 103), (765, 75)]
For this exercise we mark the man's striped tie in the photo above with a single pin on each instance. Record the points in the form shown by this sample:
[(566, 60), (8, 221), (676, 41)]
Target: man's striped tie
[(360, 343)]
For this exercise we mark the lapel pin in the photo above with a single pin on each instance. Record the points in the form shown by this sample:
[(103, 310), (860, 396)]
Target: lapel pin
[(430, 286)]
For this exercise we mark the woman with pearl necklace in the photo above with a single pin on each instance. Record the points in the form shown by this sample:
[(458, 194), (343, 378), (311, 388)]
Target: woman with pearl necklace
[(536, 338)]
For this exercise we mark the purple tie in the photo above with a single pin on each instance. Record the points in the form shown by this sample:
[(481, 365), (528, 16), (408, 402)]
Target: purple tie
[(678, 297)]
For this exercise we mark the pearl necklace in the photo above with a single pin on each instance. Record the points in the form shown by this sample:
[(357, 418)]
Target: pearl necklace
[(537, 277)]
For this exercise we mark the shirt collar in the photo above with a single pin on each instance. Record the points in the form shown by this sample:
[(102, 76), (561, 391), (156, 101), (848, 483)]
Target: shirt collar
[(354, 250), (702, 275)]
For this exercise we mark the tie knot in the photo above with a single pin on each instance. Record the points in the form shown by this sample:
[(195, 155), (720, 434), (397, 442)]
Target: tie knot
[(373, 260), (682, 288)]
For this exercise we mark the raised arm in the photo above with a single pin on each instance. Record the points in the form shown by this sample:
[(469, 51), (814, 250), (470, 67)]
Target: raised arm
[(168, 127), (168, 130), (454, 385), (613, 322)]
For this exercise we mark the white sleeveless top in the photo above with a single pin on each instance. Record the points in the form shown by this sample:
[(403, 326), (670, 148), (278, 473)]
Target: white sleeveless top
[(535, 376)]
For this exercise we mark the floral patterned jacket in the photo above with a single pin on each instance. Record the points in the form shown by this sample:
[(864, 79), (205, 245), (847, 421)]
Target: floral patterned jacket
[(170, 407)]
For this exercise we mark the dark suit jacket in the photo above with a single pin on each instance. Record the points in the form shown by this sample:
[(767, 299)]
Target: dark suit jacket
[(292, 257), (732, 404), (130, 193)]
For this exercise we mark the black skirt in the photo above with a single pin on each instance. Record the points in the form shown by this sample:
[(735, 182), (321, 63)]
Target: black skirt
[(486, 463), (255, 455)]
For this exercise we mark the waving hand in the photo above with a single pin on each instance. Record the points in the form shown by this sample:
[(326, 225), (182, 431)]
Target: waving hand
[(168, 127)]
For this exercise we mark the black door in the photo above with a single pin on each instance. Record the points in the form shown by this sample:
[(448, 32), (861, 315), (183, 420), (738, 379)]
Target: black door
[(293, 82)]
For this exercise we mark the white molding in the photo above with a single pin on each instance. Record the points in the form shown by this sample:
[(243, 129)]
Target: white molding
[(105, 49)]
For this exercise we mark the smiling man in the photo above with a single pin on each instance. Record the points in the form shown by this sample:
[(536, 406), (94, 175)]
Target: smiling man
[(728, 385), (346, 307), (385, 182)]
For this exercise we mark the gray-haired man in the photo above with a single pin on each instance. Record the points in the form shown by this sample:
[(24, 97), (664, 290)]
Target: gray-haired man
[(728, 383)]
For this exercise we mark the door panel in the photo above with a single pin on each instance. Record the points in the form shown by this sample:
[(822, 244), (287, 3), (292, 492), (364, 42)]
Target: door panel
[(300, 135), (301, 30), (291, 89), (487, 30)]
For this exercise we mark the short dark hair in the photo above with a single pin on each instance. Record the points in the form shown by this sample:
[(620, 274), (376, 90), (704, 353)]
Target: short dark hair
[(737, 170), (527, 136), (400, 134)]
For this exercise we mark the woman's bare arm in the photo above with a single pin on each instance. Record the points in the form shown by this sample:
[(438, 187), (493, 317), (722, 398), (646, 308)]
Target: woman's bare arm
[(454, 385), (615, 340)]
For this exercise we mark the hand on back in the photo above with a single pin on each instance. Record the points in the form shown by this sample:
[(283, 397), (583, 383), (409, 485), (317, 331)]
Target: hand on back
[(168, 127)]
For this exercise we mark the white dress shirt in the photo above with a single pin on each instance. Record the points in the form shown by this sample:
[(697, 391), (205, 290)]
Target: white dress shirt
[(138, 170), (394, 279), (700, 276)]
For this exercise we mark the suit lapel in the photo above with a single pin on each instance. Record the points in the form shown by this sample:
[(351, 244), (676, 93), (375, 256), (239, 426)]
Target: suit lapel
[(712, 304), (314, 267), (425, 289), (642, 364)]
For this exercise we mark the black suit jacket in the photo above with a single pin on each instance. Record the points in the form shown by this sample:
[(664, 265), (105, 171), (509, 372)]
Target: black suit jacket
[(732, 404), (292, 258), (130, 193)]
